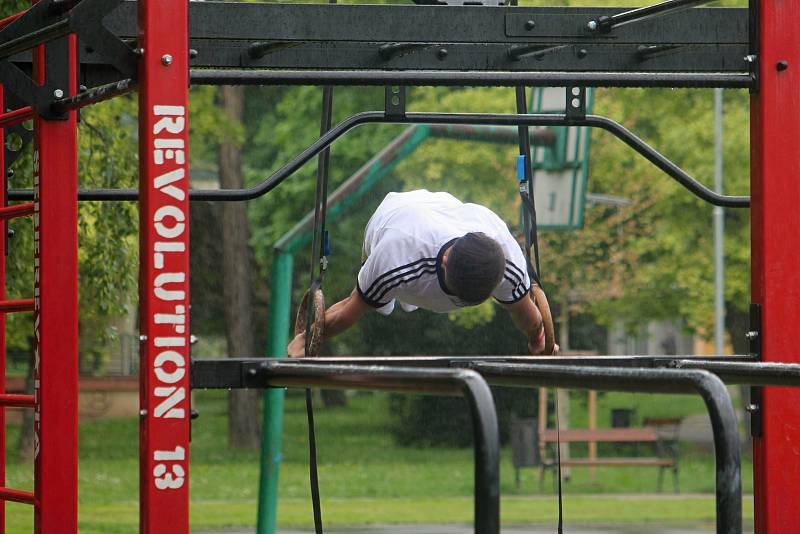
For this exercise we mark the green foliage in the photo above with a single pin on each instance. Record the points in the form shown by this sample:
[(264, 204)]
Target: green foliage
[(649, 260), (653, 259), (108, 248)]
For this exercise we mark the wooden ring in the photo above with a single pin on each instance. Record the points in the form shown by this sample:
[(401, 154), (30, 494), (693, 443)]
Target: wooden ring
[(317, 327), (540, 300)]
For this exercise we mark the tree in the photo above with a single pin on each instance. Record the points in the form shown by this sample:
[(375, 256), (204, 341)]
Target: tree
[(244, 427)]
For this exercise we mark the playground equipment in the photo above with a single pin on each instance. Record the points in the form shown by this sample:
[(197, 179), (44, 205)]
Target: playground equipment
[(99, 44)]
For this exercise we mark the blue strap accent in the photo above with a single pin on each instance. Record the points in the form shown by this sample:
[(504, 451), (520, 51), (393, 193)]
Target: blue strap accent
[(521, 167), (326, 244)]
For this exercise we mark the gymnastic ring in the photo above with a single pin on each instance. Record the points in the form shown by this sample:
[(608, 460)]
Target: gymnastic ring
[(317, 328), (540, 300)]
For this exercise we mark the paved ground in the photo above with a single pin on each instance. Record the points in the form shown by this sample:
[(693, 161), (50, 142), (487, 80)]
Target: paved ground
[(464, 529)]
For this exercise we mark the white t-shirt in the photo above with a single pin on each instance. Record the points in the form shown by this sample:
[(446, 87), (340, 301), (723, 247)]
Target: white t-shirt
[(405, 240)]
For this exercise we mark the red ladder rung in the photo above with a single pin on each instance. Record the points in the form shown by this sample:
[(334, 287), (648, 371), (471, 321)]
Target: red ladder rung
[(15, 400), (11, 18), (17, 210), (16, 116), (25, 497), (21, 305)]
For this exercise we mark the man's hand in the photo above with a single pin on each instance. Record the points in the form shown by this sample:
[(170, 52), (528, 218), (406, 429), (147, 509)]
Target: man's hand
[(297, 347), (338, 318), (536, 344), (527, 319)]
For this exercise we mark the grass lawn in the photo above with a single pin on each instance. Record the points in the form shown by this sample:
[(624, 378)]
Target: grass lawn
[(364, 477)]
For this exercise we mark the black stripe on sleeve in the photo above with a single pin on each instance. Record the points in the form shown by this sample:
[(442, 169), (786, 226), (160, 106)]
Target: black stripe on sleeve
[(371, 289), (375, 291), (516, 269), (429, 270), (365, 298), (517, 293)]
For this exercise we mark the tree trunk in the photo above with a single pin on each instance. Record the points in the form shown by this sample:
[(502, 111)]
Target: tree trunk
[(244, 428)]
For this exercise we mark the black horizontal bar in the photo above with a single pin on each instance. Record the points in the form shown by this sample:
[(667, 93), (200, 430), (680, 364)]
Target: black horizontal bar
[(751, 373), (36, 37), (635, 361), (37, 25), (470, 78), (707, 385), (93, 95), (737, 369), (436, 24), (375, 117), (469, 384)]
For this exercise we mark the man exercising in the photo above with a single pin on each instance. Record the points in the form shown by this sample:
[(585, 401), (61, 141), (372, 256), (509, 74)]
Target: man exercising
[(430, 250)]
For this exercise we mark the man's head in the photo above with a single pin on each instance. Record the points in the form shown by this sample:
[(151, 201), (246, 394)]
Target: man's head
[(475, 265)]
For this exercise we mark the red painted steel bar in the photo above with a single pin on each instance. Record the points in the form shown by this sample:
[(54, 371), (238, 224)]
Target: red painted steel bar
[(56, 297), (775, 237), (14, 400), (22, 305), (11, 18), (16, 116), (25, 497), (164, 267), (17, 210)]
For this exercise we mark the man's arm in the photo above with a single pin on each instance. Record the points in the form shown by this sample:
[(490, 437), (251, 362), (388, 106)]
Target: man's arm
[(526, 317), (338, 318)]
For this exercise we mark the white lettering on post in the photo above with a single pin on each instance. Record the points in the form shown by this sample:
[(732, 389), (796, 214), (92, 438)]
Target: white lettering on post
[(168, 319)]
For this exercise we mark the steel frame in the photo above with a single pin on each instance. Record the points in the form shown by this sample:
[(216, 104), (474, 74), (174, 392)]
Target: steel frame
[(707, 385), (453, 45), (775, 235), (361, 374), (164, 268), (260, 373), (56, 299), (462, 38), (380, 117)]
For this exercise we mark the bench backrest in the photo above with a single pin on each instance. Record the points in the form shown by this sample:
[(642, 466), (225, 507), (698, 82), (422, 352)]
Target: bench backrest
[(647, 433)]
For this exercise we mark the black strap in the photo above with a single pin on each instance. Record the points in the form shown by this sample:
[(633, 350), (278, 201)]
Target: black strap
[(312, 464), (319, 265), (534, 269), (526, 194), (558, 460)]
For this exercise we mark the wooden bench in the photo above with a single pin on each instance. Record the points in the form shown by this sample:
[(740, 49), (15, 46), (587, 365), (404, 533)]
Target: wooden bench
[(544, 457)]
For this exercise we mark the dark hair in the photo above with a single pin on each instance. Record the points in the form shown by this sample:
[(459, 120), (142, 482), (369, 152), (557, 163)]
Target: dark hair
[(475, 266)]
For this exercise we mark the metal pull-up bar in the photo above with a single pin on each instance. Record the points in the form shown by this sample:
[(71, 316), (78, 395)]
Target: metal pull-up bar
[(379, 117)]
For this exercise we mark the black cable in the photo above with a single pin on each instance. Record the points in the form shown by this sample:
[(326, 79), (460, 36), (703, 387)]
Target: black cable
[(312, 464), (532, 239), (318, 262), (526, 193), (558, 464)]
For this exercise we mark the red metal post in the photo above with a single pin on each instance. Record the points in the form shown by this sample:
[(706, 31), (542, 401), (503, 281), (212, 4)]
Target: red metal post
[(164, 266), (56, 301), (775, 222), (3, 230)]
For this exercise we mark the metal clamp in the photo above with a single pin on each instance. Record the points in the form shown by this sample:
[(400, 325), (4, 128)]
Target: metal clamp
[(395, 101)]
